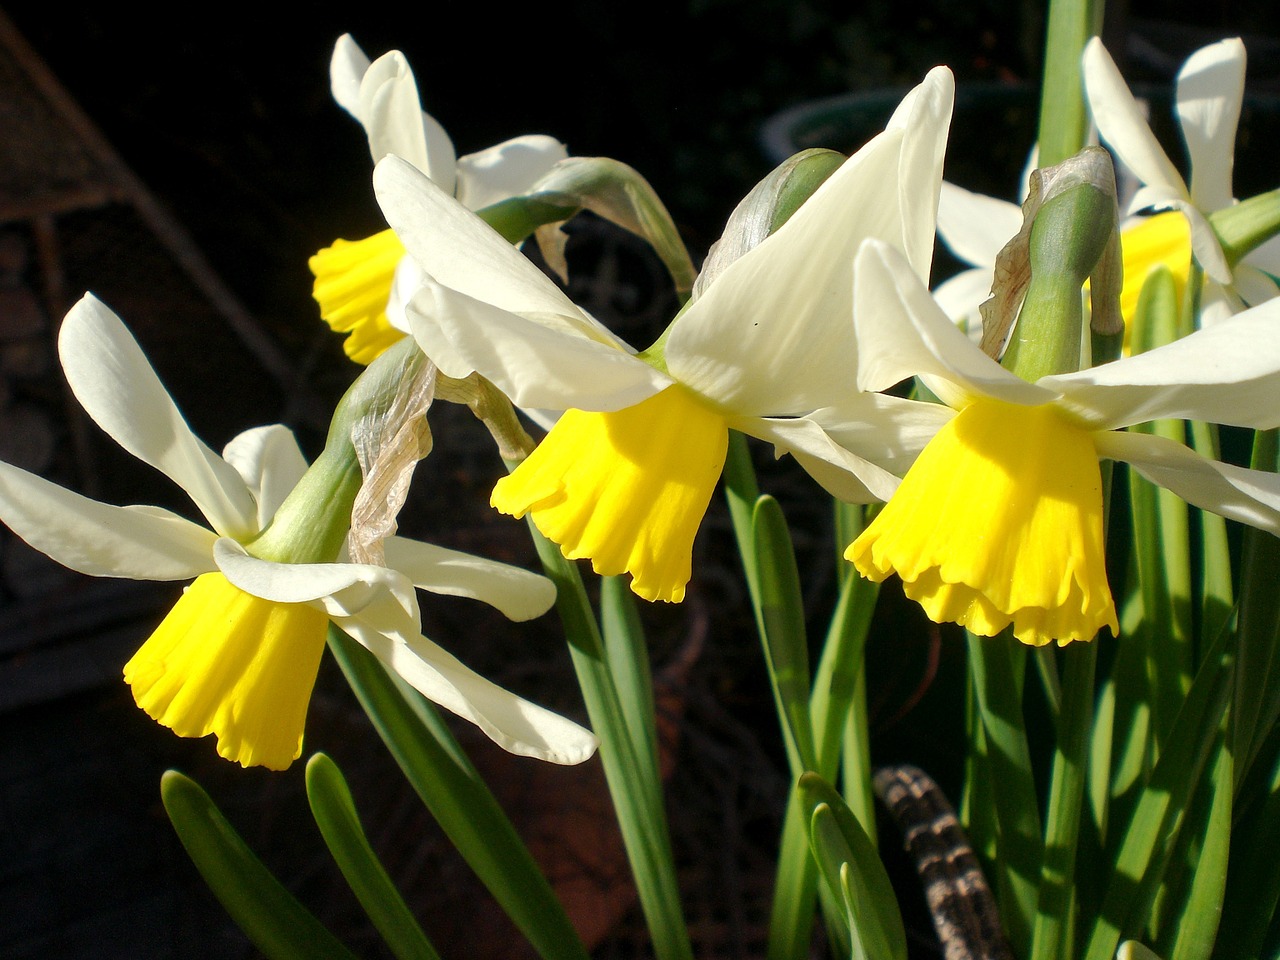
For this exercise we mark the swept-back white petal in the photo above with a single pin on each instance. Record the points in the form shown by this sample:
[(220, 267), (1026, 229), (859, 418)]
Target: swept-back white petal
[(889, 431), (347, 68), (460, 250), (924, 117), (1266, 257), (391, 112), (1210, 91), (343, 589), (1226, 373), (117, 388), (902, 332), (976, 227), (515, 724), (506, 169), (1253, 285), (1204, 242), (1122, 124), (840, 471), (518, 594), (771, 336), (1249, 496), (537, 365), (101, 540), (269, 460)]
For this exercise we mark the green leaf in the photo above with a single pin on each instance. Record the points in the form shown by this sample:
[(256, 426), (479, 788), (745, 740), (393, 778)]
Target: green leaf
[(781, 618), (1149, 838), (456, 795), (997, 666), (335, 814), (276, 923), (851, 867)]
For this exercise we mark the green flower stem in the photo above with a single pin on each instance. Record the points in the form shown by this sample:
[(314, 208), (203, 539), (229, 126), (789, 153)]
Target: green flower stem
[(1052, 934), (997, 665), (1063, 120), (631, 772)]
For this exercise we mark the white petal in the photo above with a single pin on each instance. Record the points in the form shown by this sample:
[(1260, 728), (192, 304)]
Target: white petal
[(1250, 496), (269, 460), (961, 296), (841, 472), (137, 543), (771, 336), (518, 594), (976, 227), (342, 589), (347, 67), (395, 123), (1227, 373), (902, 332), (515, 724), (1266, 257), (536, 365), (117, 388), (886, 430), (506, 169), (1210, 90), (1254, 286), (1205, 244), (925, 118), (461, 251), (1123, 126)]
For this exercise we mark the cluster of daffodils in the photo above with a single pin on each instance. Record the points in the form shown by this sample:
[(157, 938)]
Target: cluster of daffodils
[(994, 497)]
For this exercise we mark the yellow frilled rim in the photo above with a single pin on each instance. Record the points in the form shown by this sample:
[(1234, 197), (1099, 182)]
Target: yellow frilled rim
[(234, 665), (627, 489), (999, 522), (352, 285)]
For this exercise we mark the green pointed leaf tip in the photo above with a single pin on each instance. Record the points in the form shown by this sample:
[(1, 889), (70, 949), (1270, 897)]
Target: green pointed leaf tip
[(276, 923), (335, 814), (837, 839)]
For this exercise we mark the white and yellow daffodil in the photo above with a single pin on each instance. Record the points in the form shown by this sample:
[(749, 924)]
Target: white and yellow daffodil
[(1209, 93), (999, 521), (355, 280), (1210, 86), (237, 655), (625, 475)]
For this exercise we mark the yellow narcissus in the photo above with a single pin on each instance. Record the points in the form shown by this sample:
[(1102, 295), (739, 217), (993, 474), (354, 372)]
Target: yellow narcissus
[(355, 282), (998, 523), (624, 476), (237, 655)]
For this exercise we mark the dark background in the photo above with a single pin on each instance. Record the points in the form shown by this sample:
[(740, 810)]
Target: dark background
[(225, 114)]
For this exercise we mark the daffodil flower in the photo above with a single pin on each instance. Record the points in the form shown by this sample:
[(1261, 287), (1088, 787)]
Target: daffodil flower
[(999, 520), (625, 475), (1210, 89), (237, 655), (355, 280)]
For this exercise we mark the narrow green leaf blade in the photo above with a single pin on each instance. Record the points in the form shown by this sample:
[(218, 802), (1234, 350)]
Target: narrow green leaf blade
[(838, 839), (335, 813), (279, 926)]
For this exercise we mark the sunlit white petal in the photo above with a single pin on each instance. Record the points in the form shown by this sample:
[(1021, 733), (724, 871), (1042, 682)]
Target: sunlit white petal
[(536, 365), (976, 227), (269, 460), (506, 169), (518, 594), (1250, 496), (136, 543), (116, 386), (355, 584), (347, 68), (1210, 91), (902, 332), (1226, 373), (520, 727)]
